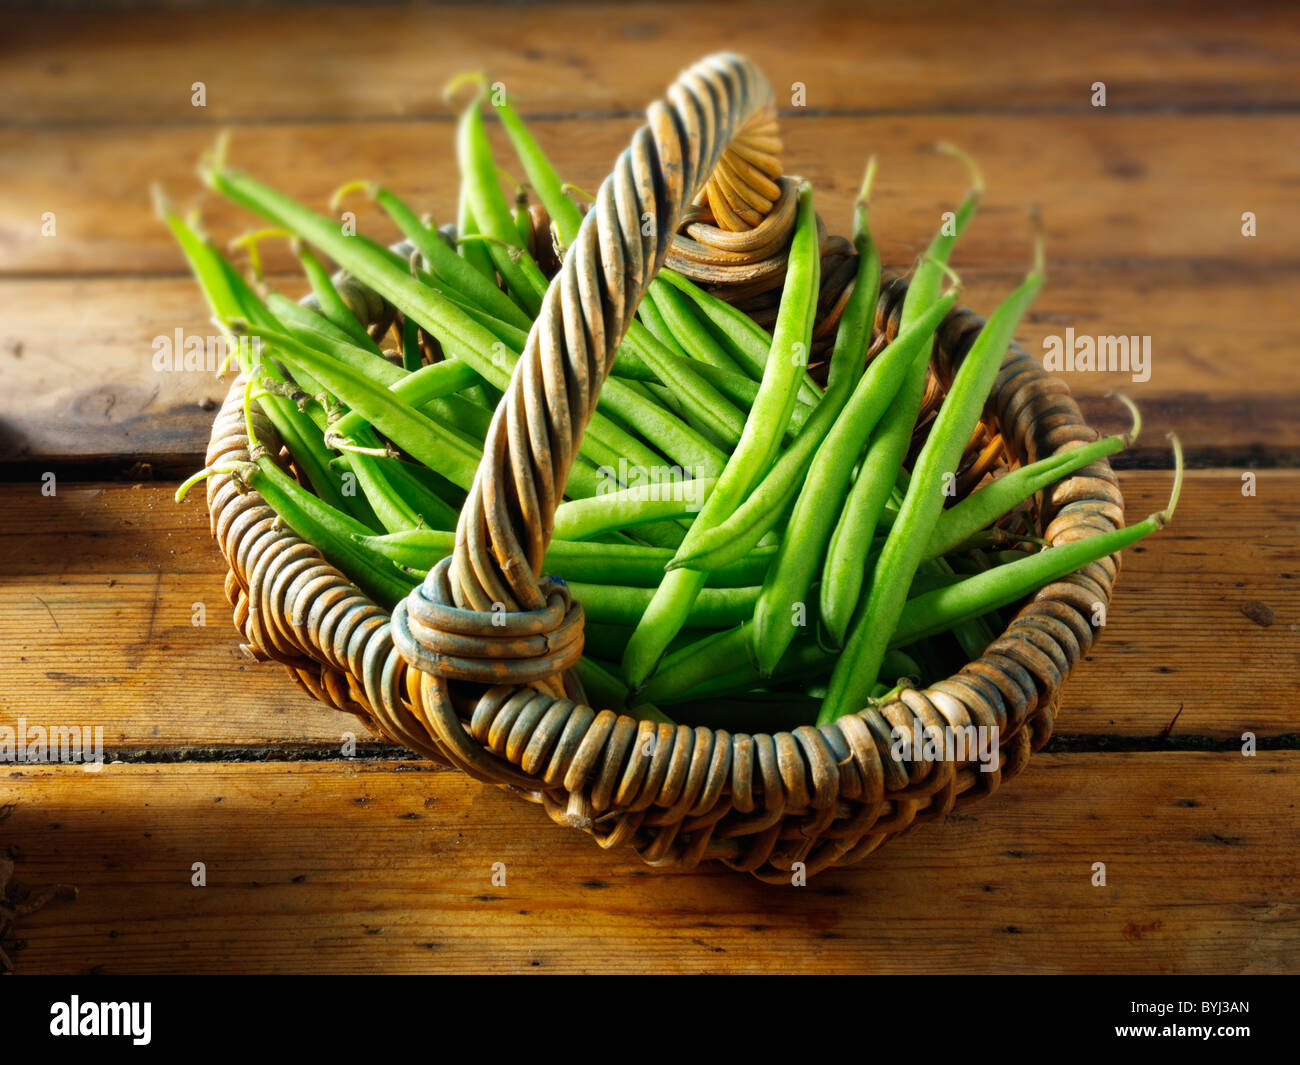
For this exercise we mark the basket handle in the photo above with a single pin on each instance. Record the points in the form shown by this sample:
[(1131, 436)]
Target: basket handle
[(486, 614)]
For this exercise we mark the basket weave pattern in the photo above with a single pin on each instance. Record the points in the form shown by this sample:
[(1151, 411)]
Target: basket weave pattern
[(496, 701)]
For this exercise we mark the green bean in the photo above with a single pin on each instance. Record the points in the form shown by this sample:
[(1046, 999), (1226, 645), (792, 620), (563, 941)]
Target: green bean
[(412, 356), (622, 605), (451, 268), (685, 329), (427, 505), (472, 251), (791, 577), (392, 509), (803, 660), (418, 389), (313, 328), (747, 342), (764, 428), (593, 563), (981, 508), (582, 519), (229, 297), (767, 502), (523, 278), (329, 530), (742, 390), (856, 671), (332, 306), (648, 313), (438, 447), (545, 181), (844, 567), (973, 635), (1003, 585), (697, 395)]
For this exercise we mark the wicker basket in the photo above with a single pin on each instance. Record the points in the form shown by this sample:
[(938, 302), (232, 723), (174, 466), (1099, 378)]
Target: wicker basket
[(498, 701)]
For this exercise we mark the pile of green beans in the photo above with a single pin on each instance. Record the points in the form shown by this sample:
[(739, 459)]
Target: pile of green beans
[(750, 547)]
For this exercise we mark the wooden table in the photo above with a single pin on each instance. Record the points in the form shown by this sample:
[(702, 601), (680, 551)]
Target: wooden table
[(316, 861)]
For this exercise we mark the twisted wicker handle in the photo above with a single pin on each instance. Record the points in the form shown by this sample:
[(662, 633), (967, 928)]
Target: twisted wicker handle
[(505, 525), (507, 623)]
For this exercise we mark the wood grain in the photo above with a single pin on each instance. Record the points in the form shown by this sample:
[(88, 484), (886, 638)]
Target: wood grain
[(380, 61), (1117, 191), (77, 357), (387, 867), (104, 559)]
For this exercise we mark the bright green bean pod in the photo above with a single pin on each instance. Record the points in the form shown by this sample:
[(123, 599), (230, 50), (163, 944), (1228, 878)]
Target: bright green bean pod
[(766, 424), (474, 252), (698, 396), (332, 305), (318, 331), (1003, 585), (592, 563), (767, 502), (412, 356), (681, 324), (522, 275), (541, 174), (452, 269), (802, 548), (742, 390), (438, 447), (582, 519), (844, 568), (418, 389), (856, 671), (747, 342), (981, 508), (648, 313), (429, 508), (621, 605)]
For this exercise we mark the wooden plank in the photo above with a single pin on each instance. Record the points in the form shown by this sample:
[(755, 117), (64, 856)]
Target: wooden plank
[(387, 867), (383, 60), (98, 587), (1115, 189), (82, 385)]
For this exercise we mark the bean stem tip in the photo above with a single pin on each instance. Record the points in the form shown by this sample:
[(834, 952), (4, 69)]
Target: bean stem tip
[(1165, 516), (1131, 435), (976, 175)]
